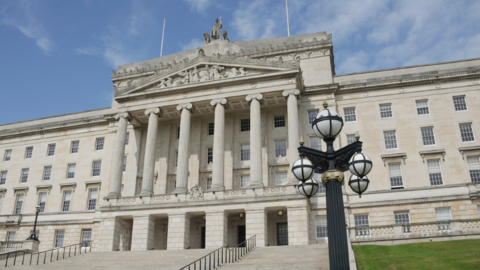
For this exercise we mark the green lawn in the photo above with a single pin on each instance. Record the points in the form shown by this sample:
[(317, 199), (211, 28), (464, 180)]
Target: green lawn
[(460, 254)]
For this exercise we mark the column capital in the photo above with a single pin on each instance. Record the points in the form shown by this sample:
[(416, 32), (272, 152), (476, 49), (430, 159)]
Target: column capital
[(156, 111), (258, 97), (221, 101), (125, 115), (287, 93), (187, 106)]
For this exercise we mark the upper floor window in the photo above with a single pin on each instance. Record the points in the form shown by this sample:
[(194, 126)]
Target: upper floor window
[(244, 181), (351, 138), (312, 115), (428, 136), (474, 168), (92, 199), (281, 178), (422, 107), (67, 197), (280, 149), (24, 176), (395, 173), (434, 172), (466, 131), (3, 177), (245, 124), (51, 149), (321, 187), (350, 115), (244, 152), (47, 171), (71, 170), (390, 139), (124, 164), (10, 236), (316, 143), (176, 159), (8, 155), (178, 133), (321, 226), (99, 143), (18, 204), (74, 147), (209, 155), (278, 121), (42, 201), (127, 138), (211, 129), (460, 103), (209, 184), (96, 168), (386, 111), (28, 152)]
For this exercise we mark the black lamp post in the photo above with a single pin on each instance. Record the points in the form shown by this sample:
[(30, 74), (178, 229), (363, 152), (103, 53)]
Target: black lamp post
[(332, 164), (33, 236)]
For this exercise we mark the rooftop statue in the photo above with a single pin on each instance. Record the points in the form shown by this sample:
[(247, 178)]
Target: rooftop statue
[(225, 35), (215, 34)]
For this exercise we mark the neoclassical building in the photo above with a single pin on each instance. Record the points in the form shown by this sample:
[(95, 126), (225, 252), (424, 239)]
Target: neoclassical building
[(196, 150)]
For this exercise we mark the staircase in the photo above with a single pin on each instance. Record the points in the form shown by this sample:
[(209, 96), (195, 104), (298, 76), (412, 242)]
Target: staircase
[(149, 259), (284, 257)]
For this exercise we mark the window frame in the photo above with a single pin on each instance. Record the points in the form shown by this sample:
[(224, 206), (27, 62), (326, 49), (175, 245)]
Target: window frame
[(385, 139), (461, 134), (285, 173), (308, 115), (15, 206), (420, 108), (464, 103), (72, 147), (93, 168), (127, 138), (39, 202), (99, 146), (85, 244), (89, 198), (207, 186), (279, 121), (51, 147), (474, 176), (44, 174), (347, 136), (62, 205), (401, 175), (3, 180), (28, 154), (384, 111), (322, 227), (56, 237), (7, 154), (312, 138), (277, 150), (209, 155), (243, 125), (345, 116), (74, 171), (211, 129), (441, 172), (243, 153), (241, 180), (426, 137), (22, 175)]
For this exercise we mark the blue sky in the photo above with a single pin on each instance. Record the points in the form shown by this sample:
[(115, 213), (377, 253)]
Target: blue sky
[(57, 56)]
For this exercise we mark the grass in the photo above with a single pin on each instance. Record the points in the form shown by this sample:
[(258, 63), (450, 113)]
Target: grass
[(459, 254)]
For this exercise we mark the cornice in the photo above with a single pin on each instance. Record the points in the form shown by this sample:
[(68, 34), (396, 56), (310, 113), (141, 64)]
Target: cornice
[(410, 201), (321, 89)]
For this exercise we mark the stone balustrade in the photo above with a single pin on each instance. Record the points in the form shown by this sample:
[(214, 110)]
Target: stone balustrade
[(10, 245)]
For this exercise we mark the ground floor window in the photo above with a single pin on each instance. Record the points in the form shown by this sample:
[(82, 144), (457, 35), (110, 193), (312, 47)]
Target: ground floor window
[(321, 223), (59, 236), (86, 237)]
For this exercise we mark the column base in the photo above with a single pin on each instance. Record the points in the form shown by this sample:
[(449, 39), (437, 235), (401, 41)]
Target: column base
[(255, 185), (180, 190), (146, 193), (217, 188), (114, 195)]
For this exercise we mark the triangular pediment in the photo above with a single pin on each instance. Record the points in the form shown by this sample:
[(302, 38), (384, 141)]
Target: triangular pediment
[(203, 71)]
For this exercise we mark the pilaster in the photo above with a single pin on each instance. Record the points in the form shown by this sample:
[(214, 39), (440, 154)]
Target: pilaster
[(298, 225), (216, 229), (256, 224), (178, 231), (142, 232)]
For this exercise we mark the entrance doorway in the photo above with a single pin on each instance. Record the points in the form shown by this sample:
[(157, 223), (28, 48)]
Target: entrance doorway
[(241, 235), (282, 234), (202, 244)]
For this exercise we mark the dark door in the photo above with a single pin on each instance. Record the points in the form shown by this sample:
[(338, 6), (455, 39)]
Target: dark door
[(202, 244), (282, 234), (241, 235)]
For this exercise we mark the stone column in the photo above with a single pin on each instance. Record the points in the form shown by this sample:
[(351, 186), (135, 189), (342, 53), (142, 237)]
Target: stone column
[(149, 164), (142, 232), (256, 224), (118, 154), (183, 149), (216, 229), (178, 231), (255, 141), (293, 131), (218, 144), (298, 225)]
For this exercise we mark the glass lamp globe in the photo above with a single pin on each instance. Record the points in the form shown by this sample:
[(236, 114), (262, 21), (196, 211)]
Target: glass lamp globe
[(358, 185), (303, 169), (308, 188), (327, 123), (360, 165)]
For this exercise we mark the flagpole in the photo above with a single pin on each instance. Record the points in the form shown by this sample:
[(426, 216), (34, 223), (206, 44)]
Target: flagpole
[(288, 24), (163, 33)]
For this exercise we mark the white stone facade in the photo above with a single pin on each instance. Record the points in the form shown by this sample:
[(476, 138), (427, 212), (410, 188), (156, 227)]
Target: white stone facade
[(169, 117)]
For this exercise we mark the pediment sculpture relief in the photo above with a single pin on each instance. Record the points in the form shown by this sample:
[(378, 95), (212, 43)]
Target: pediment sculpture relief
[(196, 193)]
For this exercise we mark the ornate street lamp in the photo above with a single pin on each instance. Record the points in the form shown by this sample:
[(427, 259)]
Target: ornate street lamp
[(33, 236), (331, 164)]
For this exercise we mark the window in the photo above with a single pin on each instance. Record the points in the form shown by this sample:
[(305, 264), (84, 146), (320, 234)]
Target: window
[(321, 188), (460, 103), (96, 168), (321, 224), (127, 138), (24, 176), (403, 218), (435, 172), (390, 139), (59, 236), (351, 138), (279, 121), (428, 136), (47, 171), (8, 155), (18, 204), (71, 171), (281, 178), (316, 143), (395, 172), (124, 164), (86, 238), (361, 221), (209, 155), (473, 167), (209, 183), (211, 129), (311, 116), (42, 201), (176, 159), (244, 124), (10, 236), (51, 150), (3, 177), (422, 107), (280, 149), (28, 152), (67, 197), (443, 214), (349, 114), (386, 111), (74, 147), (245, 152), (99, 143), (467, 132), (244, 181), (92, 199)]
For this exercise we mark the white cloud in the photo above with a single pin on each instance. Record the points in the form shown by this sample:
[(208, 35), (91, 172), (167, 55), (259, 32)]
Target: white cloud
[(199, 5), (194, 43), (88, 51)]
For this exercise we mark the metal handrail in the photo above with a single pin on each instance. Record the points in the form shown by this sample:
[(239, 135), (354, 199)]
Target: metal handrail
[(51, 253), (223, 255)]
